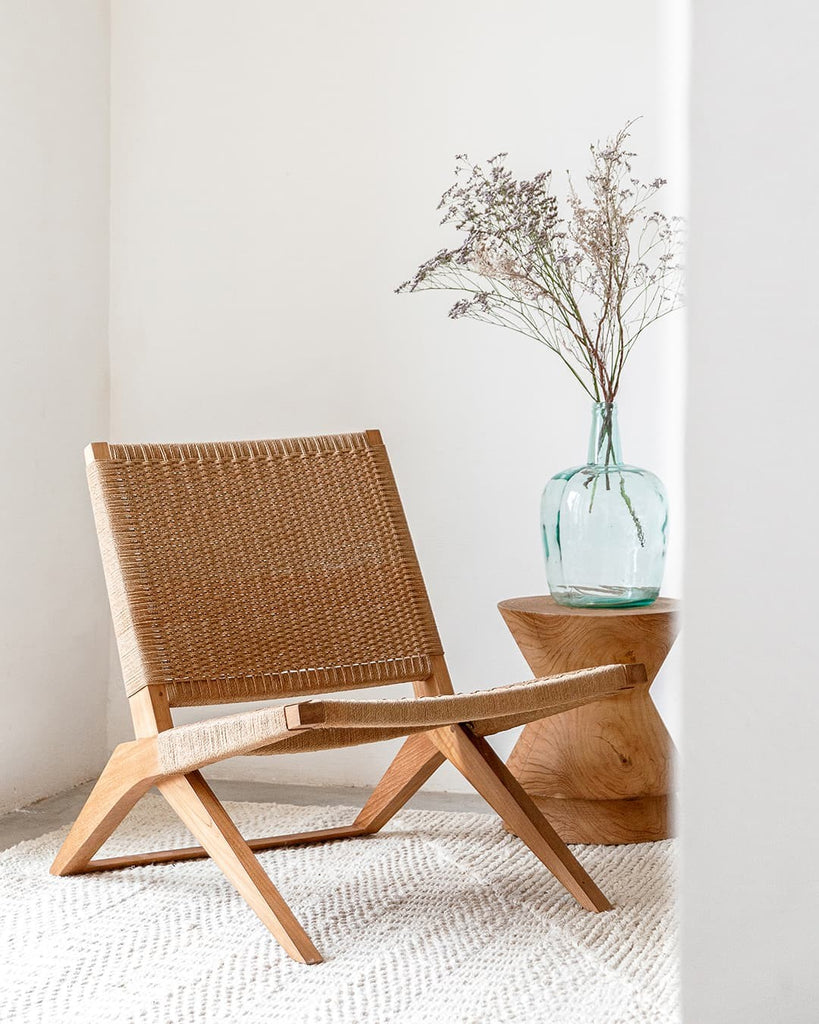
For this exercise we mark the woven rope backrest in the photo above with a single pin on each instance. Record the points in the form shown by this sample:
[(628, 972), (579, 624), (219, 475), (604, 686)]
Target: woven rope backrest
[(241, 571)]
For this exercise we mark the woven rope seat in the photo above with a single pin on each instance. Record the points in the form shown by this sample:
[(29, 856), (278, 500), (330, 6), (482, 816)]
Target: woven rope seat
[(324, 724), (273, 570)]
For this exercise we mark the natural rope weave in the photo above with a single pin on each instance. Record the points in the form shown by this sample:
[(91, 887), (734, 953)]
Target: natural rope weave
[(338, 723), (571, 688), (186, 747), (241, 571)]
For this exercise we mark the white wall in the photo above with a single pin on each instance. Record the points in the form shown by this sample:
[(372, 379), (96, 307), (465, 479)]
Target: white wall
[(53, 391), (750, 895), (275, 172)]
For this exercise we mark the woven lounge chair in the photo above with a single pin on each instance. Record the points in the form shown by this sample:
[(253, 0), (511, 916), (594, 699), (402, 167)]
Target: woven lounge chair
[(271, 570)]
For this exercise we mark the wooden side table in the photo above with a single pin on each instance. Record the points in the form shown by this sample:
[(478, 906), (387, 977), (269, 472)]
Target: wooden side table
[(599, 773)]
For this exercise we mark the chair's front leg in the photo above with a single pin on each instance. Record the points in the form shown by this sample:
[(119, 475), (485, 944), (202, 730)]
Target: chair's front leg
[(480, 765), (196, 804)]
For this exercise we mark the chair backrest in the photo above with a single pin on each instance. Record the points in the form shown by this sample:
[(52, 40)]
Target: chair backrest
[(242, 571)]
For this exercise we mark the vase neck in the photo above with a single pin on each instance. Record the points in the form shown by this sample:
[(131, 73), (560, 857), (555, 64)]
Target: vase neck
[(604, 439)]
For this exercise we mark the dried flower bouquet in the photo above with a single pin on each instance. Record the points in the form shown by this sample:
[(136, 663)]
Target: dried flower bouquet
[(585, 285), (586, 281)]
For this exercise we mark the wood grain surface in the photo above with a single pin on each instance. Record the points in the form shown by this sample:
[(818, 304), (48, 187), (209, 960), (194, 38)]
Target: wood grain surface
[(600, 773)]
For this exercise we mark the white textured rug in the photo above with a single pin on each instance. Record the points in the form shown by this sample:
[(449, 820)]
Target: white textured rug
[(440, 919)]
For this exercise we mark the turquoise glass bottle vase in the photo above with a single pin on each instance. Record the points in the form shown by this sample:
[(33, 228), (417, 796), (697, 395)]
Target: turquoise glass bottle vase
[(604, 526)]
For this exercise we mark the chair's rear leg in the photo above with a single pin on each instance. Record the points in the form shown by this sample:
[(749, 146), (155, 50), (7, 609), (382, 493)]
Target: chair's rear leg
[(195, 803), (414, 763), (129, 774), (480, 765)]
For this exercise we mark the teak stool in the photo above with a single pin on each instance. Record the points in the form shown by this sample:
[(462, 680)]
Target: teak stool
[(599, 773)]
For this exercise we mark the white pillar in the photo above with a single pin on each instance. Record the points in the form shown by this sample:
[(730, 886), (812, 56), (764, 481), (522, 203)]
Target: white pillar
[(751, 702)]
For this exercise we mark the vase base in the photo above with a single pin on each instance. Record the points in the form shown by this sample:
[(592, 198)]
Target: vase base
[(605, 597)]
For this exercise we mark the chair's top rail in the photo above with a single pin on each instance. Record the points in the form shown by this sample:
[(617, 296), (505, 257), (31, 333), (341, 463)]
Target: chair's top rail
[(219, 451)]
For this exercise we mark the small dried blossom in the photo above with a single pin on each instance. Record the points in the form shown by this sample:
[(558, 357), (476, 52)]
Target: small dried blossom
[(586, 285)]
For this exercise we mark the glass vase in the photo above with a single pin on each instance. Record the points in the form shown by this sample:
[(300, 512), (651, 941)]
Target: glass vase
[(604, 526)]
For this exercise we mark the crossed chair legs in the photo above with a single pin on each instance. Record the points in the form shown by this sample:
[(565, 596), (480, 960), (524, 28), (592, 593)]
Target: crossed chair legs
[(133, 769)]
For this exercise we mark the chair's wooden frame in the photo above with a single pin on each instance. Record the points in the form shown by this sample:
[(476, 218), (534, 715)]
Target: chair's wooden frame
[(136, 766)]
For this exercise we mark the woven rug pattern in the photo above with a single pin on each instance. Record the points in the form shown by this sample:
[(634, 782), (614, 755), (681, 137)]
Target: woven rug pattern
[(442, 917)]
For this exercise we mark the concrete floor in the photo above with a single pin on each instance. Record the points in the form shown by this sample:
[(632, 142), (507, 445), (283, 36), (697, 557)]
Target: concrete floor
[(56, 811)]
